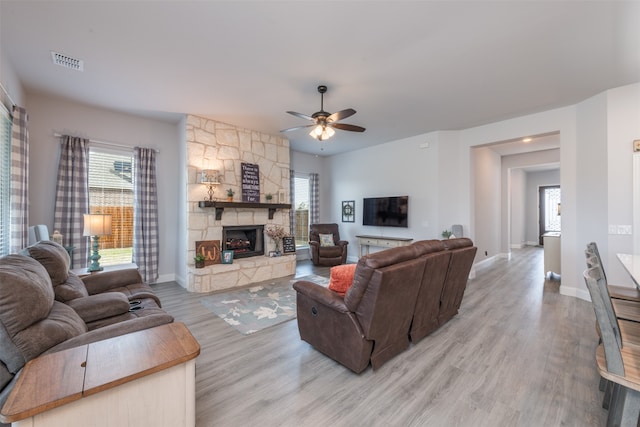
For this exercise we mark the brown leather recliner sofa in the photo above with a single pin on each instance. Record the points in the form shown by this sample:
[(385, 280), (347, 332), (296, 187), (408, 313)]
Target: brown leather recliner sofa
[(45, 308), (397, 294), (335, 254)]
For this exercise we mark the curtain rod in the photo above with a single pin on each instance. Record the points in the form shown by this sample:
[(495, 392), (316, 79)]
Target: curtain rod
[(8, 96), (107, 143)]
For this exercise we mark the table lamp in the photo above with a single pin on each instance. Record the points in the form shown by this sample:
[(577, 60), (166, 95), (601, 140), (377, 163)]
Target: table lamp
[(96, 225)]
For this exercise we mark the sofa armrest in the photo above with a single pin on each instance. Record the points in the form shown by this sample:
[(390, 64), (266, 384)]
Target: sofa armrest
[(342, 243), (103, 282), (321, 294), (100, 306)]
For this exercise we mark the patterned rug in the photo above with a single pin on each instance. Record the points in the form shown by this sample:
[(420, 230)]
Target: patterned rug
[(250, 310)]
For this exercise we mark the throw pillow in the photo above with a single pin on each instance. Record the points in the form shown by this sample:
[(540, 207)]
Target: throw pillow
[(326, 240), (341, 278)]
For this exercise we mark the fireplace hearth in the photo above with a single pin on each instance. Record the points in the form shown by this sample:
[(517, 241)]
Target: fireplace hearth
[(244, 240)]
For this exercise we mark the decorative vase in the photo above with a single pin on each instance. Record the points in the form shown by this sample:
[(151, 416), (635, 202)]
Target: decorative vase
[(229, 198), (277, 242)]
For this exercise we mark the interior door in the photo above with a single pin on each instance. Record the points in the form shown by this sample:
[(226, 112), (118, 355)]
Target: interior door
[(549, 205)]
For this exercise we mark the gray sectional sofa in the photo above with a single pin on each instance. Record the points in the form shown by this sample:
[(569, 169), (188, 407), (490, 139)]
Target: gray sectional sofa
[(45, 308)]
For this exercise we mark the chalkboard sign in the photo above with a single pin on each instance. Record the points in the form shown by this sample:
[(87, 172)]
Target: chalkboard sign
[(289, 245), (250, 182)]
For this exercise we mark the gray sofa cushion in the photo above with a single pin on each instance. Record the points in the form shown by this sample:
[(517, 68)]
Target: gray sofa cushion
[(5, 376), (30, 320), (71, 289), (61, 324), (100, 306), (54, 258)]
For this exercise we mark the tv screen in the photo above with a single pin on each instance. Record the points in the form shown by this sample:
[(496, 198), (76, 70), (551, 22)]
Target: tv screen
[(385, 211)]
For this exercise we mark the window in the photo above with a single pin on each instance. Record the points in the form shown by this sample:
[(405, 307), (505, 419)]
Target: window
[(111, 192), (301, 198), (5, 180)]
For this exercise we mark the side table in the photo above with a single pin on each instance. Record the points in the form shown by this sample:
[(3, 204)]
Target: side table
[(82, 272), (144, 378)]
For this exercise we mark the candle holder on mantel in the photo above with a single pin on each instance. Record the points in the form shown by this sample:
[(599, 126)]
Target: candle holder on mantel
[(209, 177)]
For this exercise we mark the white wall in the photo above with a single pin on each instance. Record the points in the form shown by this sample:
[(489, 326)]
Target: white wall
[(393, 169), (10, 82), (48, 115), (623, 127), (486, 187), (516, 215)]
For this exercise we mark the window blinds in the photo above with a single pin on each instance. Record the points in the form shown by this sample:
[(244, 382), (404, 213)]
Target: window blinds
[(111, 192), (5, 179)]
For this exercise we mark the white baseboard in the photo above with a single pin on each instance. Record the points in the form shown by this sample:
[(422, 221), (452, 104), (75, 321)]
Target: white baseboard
[(575, 292), (165, 278), (517, 245)]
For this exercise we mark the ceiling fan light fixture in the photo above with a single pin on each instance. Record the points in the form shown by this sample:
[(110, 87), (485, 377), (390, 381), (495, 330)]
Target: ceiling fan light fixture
[(329, 132), (325, 133), (323, 122)]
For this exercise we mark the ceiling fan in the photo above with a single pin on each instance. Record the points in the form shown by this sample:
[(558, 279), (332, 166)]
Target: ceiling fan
[(323, 122)]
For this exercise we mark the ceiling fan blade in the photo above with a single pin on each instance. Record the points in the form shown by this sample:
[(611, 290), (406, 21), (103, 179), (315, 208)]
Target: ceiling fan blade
[(302, 116), (297, 127), (341, 115), (344, 126)]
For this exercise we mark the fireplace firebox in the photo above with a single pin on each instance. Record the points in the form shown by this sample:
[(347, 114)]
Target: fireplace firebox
[(244, 240)]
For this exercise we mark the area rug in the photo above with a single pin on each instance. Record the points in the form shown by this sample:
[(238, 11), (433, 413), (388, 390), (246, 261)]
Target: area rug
[(253, 309)]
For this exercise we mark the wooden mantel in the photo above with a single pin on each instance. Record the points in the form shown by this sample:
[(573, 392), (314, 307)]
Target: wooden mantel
[(219, 206)]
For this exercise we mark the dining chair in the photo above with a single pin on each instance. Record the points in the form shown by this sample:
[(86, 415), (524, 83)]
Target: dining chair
[(616, 363)]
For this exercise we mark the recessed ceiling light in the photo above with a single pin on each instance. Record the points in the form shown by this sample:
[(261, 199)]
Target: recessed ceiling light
[(527, 140)]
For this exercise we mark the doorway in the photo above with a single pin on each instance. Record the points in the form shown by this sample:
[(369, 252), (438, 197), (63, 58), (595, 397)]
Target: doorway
[(549, 203)]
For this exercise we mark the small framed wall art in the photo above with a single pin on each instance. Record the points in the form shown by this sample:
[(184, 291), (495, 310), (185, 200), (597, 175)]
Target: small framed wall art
[(349, 211), (227, 257)]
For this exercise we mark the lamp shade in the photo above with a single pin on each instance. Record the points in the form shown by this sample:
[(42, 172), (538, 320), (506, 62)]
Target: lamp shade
[(97, 225), (322, 133), (209, 176)]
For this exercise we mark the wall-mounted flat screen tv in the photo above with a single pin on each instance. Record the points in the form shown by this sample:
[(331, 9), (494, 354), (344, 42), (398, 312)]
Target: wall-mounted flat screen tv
[(385, 211)]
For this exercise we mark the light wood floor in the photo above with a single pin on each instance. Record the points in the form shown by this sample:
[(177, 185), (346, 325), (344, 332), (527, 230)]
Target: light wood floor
[(517, 354)]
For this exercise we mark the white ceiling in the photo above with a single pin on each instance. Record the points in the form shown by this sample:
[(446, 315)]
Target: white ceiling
[(407, 67)]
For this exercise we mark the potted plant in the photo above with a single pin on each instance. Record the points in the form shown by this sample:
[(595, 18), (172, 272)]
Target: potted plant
[(230, 194), (199, 260), (446, 234), (269, 197)]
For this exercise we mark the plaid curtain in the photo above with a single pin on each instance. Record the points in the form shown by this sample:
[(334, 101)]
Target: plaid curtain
[(72, 196), (145, 215), (314, 199), (292, 200), (19, 211)]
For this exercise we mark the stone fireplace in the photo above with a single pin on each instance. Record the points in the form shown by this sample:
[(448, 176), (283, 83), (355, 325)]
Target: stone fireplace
[(244, 240), (223, 147)]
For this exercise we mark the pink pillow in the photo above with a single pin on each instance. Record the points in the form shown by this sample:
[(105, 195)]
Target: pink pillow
[(341, 278)]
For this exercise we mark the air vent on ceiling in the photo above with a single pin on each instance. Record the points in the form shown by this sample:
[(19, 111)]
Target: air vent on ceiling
[(67, 61)]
